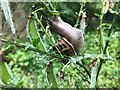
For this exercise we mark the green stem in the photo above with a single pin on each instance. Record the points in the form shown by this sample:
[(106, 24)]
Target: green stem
[(101, 35), (65, 66), (48, 10), (48, 35), (104, 51), (36, 50), (83, 76), (78, 18), (51, 5), (87, 71), (39, 9), (105, 44)]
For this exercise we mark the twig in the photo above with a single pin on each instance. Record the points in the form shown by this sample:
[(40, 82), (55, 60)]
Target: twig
[(36, 50)]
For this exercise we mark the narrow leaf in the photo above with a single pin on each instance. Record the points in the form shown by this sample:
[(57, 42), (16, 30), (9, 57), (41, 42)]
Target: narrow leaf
[(94, 70), (93, 77), (8, 16), (34, 35), (50, 76), (5, 74)]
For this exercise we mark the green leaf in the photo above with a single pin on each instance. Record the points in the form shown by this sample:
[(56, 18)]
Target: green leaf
[(35, 41), (19, 84), (1, 83), (34, 36), (48, 12), (8, 48), (97, 15), (93, 77), (50, 76), (8, 15), (113, 12), (5, 74), (32, 29)]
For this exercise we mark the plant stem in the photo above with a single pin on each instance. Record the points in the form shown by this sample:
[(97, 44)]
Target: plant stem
[(36, 50), (48, 35), (83, 76), (104, 51), (65, 66), (49, 11), (101, 35), (87, 71), (101, 38), (79, 14)]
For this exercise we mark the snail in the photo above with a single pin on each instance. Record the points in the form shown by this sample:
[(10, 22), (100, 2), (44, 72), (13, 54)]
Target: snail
[(72, 40)]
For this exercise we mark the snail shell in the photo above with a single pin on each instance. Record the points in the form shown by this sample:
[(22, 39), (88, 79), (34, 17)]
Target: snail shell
[(65, 47)]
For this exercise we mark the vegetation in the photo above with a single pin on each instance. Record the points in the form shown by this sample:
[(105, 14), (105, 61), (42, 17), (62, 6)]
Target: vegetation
[(33, 62)]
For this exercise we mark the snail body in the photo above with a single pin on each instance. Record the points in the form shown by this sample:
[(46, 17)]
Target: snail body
[(71, 34)]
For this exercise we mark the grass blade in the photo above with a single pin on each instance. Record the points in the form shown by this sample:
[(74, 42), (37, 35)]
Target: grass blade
[(8, 16)]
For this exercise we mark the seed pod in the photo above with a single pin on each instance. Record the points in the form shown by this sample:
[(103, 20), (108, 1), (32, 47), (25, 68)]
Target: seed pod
[(62, 74), (111, 4), (3, 57)]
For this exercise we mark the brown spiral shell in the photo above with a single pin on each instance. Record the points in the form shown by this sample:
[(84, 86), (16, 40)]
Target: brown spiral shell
[(65, 47)]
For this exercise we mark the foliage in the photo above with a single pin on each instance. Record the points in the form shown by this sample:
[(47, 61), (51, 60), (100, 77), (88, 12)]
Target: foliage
[(35, 70)]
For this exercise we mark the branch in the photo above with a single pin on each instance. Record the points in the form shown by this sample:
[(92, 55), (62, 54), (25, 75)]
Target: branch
[(36, 50)]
